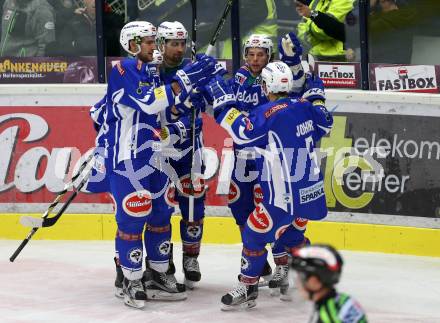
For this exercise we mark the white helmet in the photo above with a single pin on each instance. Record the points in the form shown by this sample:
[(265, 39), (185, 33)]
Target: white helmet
[(170, 30), (135, 30), (277, 77), (258, 41)]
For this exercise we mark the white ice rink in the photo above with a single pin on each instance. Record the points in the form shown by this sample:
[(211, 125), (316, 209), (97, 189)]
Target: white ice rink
[(53, 281)]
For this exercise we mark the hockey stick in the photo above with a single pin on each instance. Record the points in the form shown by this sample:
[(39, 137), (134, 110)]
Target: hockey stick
[(193, 115), (45, 221), (219, 28)]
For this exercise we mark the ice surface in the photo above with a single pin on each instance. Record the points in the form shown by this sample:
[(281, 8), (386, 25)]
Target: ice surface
[(72, 281)]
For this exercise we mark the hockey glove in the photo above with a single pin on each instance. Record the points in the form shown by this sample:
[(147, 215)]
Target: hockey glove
[(290, 49), (195, 74), (197, 101), (222, 95), (313, 88), (180, 128)]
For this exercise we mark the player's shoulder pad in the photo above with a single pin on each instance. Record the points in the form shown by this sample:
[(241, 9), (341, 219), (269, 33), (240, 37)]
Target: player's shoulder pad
[(185, 62), (242, 75), (127, 64)]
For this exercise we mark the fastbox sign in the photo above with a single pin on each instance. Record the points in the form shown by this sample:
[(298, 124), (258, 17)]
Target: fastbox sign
[(405, 78)]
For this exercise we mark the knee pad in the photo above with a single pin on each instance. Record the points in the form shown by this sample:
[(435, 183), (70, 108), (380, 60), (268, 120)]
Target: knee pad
[(191, 234), (158, 246), (252, 264), (130, 252)]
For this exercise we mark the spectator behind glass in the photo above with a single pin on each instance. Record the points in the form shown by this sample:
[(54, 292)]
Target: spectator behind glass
[(322, 31), (27, 27), (256, 17), (391, 30), (83, 30)]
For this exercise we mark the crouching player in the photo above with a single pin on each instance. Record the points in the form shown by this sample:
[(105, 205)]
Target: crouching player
[(290, 179)]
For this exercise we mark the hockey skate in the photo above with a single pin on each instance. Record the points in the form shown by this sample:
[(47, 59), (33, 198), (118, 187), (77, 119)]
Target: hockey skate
[(118, 280), (241, 297), (279, 284), (191, 270), (134, 294), (266, 275), (161, 286)]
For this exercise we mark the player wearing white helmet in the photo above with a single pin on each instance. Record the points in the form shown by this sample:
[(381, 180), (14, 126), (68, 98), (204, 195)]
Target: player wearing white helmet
[(126, 142), (245, 192), (172, 42), (282, 134)]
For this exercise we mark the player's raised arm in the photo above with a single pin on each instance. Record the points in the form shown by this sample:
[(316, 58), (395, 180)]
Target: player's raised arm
[(243, 130)]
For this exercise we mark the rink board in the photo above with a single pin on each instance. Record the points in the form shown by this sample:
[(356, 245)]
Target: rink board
[(34, 121), (223, 230)]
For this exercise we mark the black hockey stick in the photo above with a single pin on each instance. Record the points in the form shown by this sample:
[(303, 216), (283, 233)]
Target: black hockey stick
[(193, 115), (45, 221), (219, 28)]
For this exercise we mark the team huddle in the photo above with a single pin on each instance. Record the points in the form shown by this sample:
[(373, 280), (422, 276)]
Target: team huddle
[(145, 158)]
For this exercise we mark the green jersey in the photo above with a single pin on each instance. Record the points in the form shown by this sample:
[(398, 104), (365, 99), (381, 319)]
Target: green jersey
[(338, 308)]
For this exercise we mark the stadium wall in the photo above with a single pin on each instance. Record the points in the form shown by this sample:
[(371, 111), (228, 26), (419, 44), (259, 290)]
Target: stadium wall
[(380, 163)]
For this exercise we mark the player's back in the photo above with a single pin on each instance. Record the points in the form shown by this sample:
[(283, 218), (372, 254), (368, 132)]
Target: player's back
[(290, 175)]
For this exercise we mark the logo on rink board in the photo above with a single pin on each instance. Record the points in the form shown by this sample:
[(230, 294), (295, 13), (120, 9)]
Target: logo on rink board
[(415, 78), (137, 204), (260, 220), (338, 75), (135, 256)]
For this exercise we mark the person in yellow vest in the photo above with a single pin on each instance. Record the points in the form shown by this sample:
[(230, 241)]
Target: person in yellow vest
[(267, 27), (322, 30)]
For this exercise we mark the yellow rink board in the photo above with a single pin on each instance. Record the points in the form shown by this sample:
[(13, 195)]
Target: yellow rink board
[(346, 236)]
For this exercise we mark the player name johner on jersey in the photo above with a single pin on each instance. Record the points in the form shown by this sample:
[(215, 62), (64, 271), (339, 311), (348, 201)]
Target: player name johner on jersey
[(304, 128)]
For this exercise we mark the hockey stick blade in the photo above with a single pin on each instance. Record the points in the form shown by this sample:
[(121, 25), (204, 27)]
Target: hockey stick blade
[(31, 222)]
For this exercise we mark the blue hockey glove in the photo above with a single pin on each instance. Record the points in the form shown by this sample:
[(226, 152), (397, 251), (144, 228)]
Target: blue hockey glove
[(313, 88), (290, 49), (197, 101), (222, 95), (195, 74), (180, 128)]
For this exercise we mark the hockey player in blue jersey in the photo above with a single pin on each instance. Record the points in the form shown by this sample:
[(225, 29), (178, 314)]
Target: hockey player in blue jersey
[(132, 161), (172, 43), (284, 132), (245, 191)]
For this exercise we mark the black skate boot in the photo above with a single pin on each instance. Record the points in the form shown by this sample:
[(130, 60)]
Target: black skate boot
[(266, 275), (119, 279), (191, 270), (134, 294), (279, 284), (171, 267), (242, 296), (162, 286)]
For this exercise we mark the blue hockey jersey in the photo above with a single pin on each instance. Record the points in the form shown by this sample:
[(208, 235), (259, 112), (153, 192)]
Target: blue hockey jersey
[(129, 121), (247, 90), (288, 168)]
